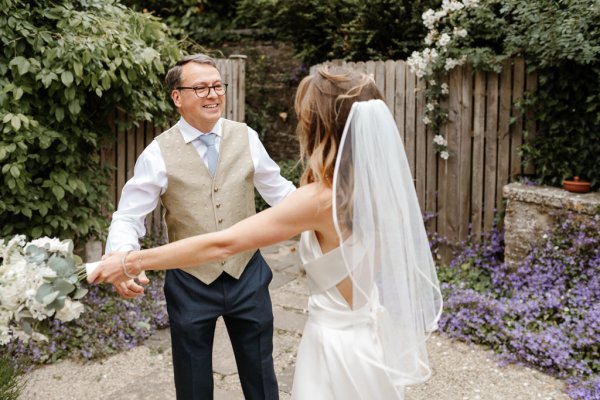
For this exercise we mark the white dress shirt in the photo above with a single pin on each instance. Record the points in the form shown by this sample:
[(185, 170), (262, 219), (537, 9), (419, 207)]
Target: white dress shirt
[(142, 192)]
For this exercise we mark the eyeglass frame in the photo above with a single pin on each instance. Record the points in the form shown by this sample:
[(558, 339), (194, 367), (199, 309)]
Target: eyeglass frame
[(213, 87)]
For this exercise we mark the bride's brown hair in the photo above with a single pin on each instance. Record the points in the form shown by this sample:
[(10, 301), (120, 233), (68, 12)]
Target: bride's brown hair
[(323, 102)]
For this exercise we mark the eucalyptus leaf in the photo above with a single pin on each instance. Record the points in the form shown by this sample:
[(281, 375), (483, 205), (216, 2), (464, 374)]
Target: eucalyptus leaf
[(58, 303), (48, 299), (61, 266), (35, 254), (26, 326), (63, 286), (79, 293)]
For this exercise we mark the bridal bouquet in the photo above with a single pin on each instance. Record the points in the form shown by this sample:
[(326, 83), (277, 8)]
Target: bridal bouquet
[(38, 280)]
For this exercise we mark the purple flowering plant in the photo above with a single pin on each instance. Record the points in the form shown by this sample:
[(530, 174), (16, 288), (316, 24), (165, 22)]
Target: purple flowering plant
[(545, 313)]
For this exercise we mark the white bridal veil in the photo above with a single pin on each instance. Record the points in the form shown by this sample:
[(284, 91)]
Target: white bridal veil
[(387, 254)]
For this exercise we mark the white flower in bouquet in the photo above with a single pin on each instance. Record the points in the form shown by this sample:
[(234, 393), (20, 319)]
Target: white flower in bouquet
[(71, 310), (38, 280)]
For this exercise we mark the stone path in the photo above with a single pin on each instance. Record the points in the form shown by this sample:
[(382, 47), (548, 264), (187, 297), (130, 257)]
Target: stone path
[(461, 372)]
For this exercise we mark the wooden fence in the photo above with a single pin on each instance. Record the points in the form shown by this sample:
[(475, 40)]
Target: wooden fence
[(464, 192), (129, 144)]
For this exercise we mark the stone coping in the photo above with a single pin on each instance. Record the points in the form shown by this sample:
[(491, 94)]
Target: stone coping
[(584, 203)]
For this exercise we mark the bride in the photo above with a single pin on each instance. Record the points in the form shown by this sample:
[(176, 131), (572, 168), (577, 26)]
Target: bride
[(374, 294)]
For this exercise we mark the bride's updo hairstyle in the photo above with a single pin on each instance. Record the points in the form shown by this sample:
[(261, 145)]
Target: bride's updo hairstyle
[(323, 102)]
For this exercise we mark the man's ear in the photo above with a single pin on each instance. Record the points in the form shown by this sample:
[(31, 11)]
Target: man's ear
[(175, 96)]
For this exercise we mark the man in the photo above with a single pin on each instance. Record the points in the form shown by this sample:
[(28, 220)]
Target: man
[(204, 170)]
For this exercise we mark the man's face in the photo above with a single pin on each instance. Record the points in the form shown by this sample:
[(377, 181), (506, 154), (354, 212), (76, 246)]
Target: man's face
[(201, 113)]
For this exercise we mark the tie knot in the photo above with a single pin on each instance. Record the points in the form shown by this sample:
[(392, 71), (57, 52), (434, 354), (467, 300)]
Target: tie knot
[(208, 139)]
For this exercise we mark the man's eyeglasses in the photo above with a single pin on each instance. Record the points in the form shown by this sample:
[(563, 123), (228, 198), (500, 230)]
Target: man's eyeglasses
[(203, 91)]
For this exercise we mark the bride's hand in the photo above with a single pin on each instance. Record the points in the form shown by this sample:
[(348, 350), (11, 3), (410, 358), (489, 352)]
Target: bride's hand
[(109, 269)]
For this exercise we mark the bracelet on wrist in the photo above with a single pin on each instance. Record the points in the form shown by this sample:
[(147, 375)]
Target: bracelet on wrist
[(123, 262)]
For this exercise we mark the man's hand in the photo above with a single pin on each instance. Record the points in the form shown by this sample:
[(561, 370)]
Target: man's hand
[(131, 289)]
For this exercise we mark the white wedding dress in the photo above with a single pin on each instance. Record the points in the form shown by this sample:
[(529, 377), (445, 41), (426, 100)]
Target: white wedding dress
[(329, 364)]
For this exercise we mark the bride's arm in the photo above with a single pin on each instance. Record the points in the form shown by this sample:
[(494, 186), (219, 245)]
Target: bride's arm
[(305, 209)]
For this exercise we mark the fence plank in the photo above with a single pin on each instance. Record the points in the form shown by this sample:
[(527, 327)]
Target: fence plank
[(379, 76), (452, 164), (431, 205), (390, 85), (442, 183), (531, 86), (516, 129), (478, 154), (370, 68), (421, 145), (400, 100), (502, 169), (491, 148), (409, 127), (465, 159), (241, 90)]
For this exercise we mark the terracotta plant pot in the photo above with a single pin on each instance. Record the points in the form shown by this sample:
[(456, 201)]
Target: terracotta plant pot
[(576, 185)]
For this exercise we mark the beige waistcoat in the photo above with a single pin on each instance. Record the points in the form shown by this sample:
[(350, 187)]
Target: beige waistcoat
[(197, 203)]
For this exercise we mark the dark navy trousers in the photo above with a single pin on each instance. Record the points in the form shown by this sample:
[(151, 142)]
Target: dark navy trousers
[(246, 308)]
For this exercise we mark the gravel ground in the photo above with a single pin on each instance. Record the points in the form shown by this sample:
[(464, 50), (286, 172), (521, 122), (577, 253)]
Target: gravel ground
[(461, 371)]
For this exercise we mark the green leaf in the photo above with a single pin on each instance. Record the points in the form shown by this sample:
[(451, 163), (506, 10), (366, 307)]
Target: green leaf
[(59, 113), (59, 192), (67, 78), (15, 171), (58, 303), (79, 293), (36, 232), (15, 121), (61, 266), (46, 294), (78, 68), (26, 326), (22, 64), (18, 93), (63, 286), (43, 209)]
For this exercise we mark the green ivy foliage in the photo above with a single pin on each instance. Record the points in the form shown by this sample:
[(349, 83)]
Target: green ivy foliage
[(204, 23), (65, 68), (341, 29)]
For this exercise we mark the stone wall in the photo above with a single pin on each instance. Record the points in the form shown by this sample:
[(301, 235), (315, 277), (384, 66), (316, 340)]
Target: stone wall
[(529, 211)]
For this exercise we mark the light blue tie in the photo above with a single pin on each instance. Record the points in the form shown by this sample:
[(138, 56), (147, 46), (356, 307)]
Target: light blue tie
[(212, 156)]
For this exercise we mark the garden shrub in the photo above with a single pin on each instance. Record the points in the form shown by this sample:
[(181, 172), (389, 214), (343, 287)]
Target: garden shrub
[(322, 30), (545, 313), (65, 68), (207, 22)]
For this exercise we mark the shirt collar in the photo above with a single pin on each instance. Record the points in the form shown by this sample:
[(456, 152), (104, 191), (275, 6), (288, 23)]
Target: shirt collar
[(190, 133)]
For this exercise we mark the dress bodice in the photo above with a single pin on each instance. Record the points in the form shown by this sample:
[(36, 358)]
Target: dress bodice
[(322, 270)]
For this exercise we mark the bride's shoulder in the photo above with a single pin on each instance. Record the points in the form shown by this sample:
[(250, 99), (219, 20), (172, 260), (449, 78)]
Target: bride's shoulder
[(316, 191)]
